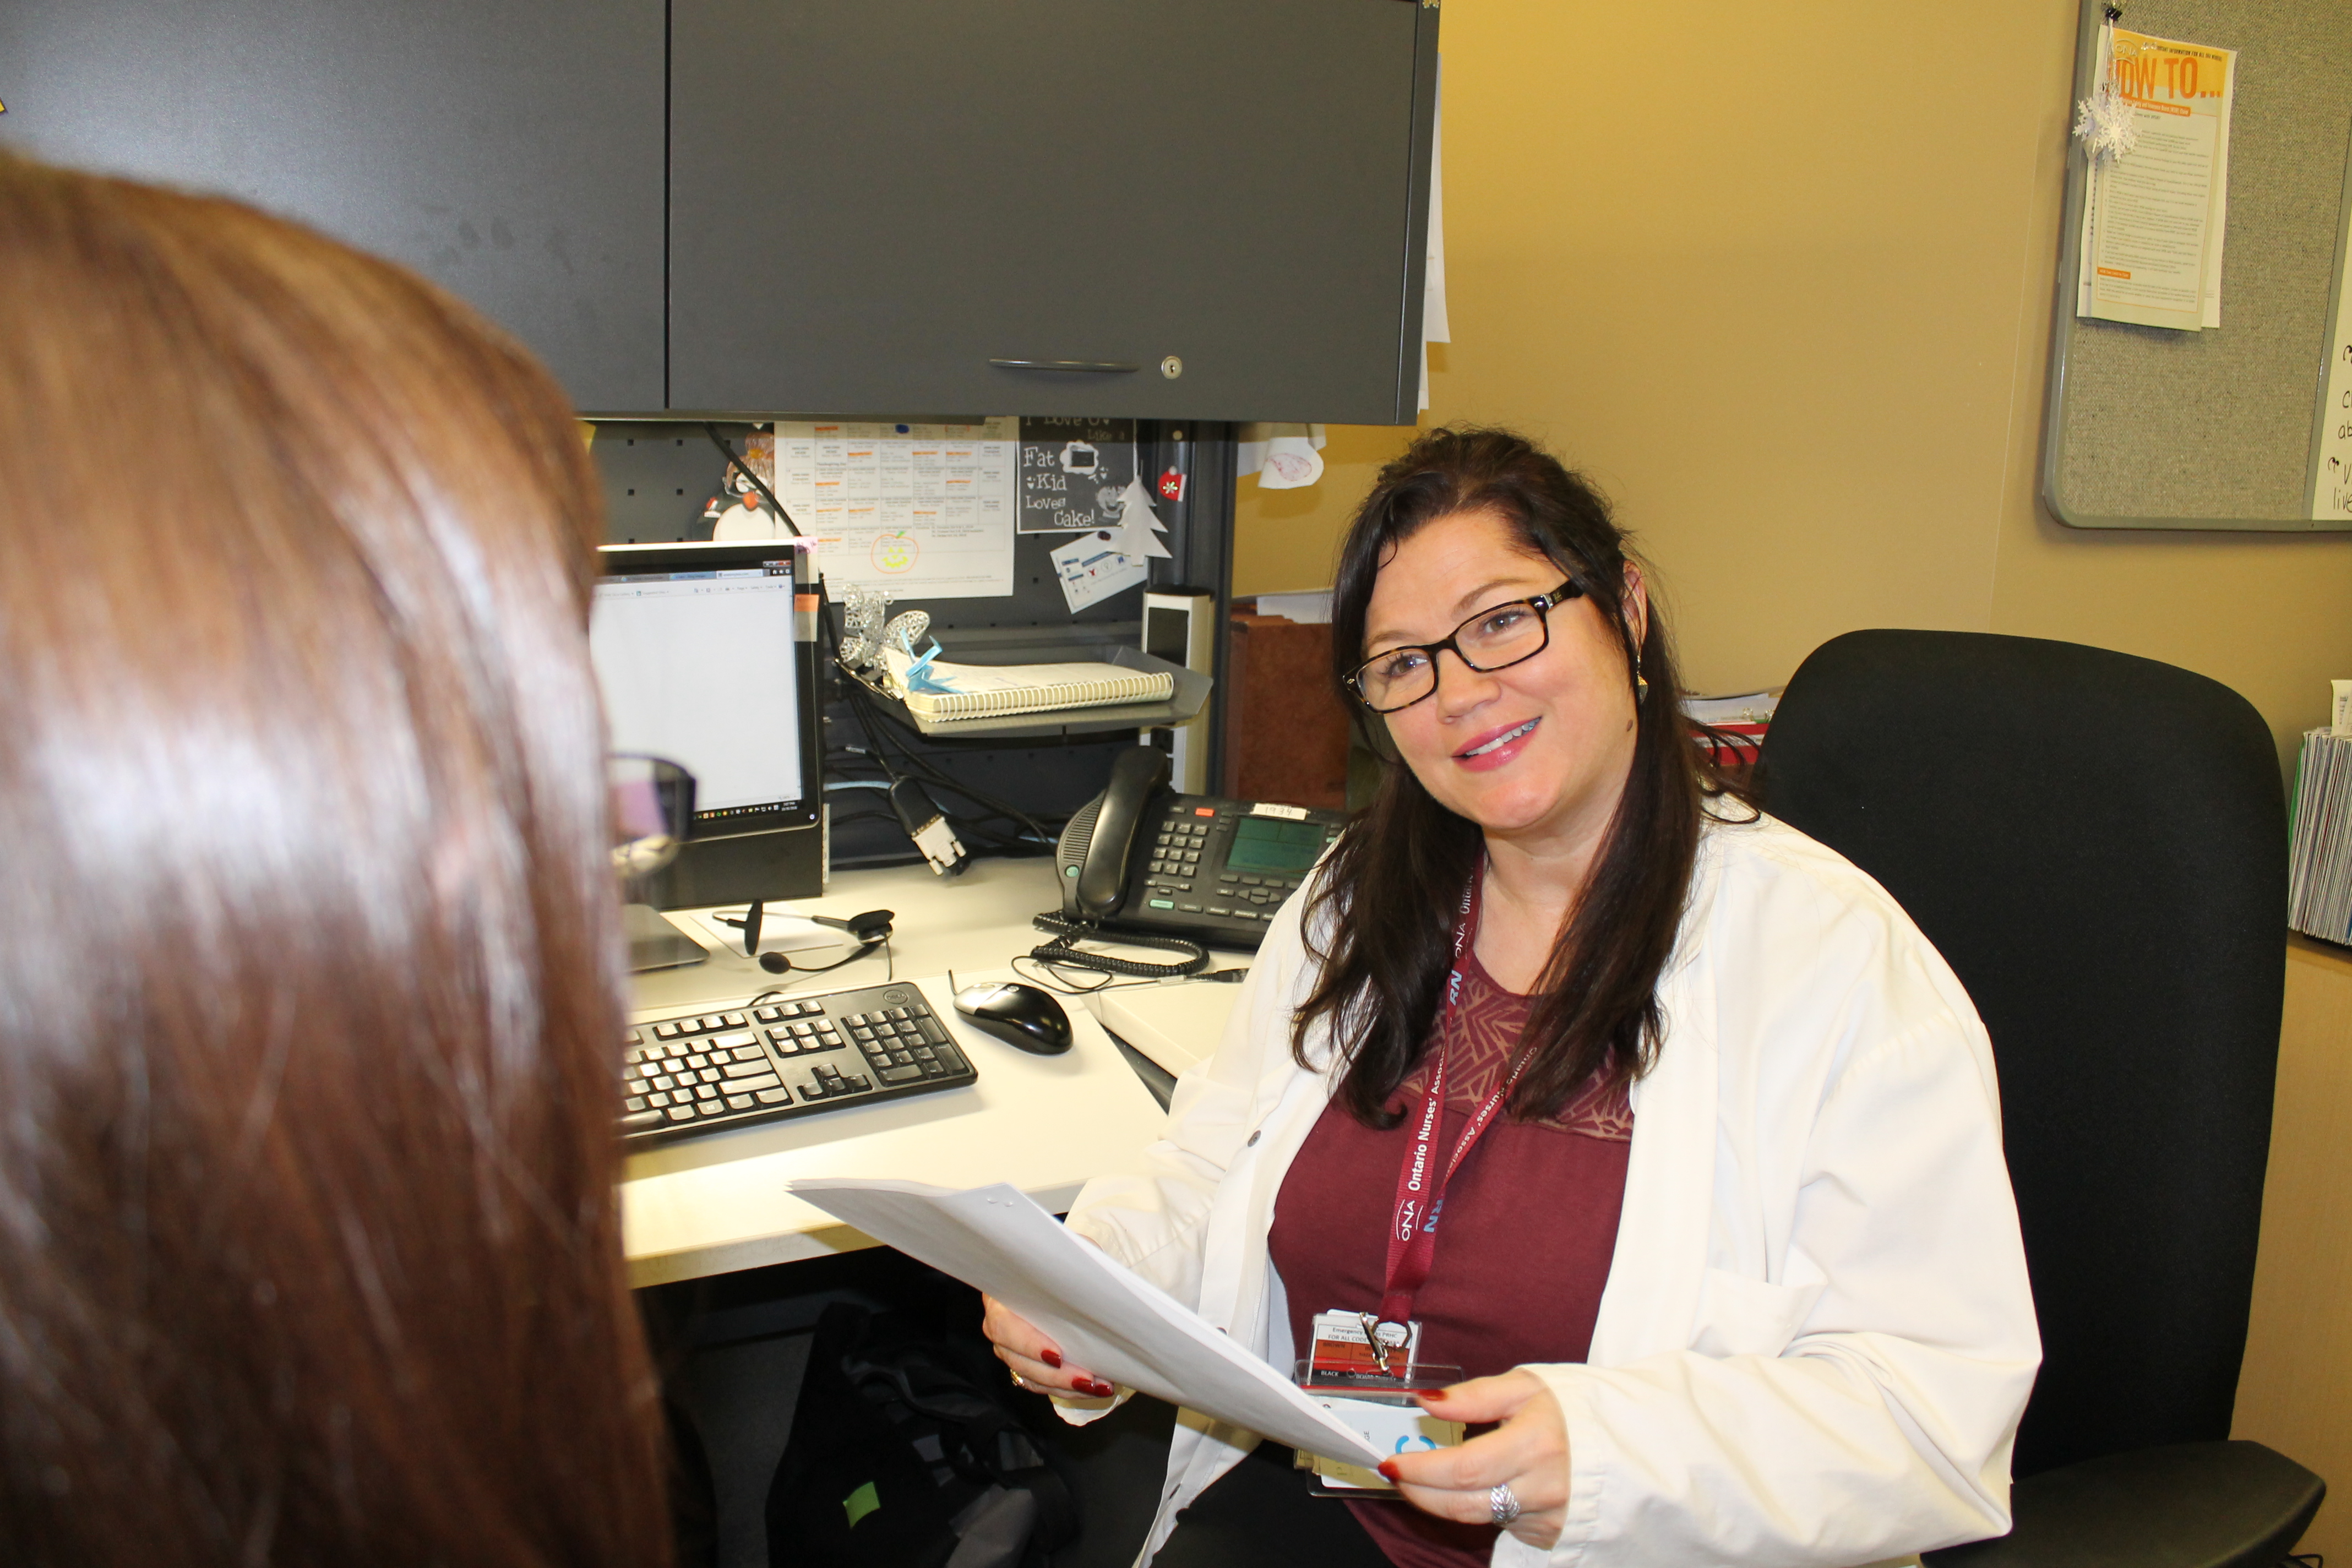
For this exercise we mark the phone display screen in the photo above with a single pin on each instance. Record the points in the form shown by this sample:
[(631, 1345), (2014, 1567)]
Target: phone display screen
[(1262, 844)]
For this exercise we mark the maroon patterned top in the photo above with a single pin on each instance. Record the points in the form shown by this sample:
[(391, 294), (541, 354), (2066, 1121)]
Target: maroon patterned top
[(1522, 1249)]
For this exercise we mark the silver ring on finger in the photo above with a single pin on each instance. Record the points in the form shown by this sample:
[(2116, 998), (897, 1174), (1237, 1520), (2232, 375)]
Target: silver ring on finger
[(1503, 1505)]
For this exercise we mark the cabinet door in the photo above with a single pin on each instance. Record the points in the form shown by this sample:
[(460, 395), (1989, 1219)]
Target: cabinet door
[(510, 150), (871, 202)]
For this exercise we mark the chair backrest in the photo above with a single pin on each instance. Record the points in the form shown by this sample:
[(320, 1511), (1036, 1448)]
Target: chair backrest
[(2096, 844)]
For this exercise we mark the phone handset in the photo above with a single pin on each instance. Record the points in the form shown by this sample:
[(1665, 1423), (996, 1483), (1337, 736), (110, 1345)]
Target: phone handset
[(1102, 837), (1096, 854)]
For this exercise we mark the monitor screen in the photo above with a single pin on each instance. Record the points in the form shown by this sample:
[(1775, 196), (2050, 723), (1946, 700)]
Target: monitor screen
[(697, 652)]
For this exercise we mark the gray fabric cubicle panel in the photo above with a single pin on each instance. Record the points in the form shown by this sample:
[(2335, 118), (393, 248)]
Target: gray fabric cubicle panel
[(2154, 429), (658, 474)]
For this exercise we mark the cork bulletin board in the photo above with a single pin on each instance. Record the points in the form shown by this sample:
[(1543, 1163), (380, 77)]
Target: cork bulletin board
[(2151, 428)]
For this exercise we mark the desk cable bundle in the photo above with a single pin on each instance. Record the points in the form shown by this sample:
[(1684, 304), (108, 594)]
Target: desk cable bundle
[(909, 780)]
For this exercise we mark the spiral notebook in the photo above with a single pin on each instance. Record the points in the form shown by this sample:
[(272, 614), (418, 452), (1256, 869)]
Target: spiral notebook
[(975, 691)]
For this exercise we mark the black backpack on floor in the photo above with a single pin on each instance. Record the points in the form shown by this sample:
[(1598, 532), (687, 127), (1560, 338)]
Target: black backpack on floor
[(906, 1453)]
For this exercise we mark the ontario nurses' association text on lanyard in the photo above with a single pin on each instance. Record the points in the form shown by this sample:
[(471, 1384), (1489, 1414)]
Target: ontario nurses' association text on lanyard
[(1371, 1341)]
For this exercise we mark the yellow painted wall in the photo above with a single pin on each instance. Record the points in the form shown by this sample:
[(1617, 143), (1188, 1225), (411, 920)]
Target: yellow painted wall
[(1780, 280), (2295, 1387), (1729, 262), (1288, 539)]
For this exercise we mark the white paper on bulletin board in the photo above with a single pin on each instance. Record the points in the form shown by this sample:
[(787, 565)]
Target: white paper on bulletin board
[(2154, 218), (917, 510), (2331, 446), (1092, 567)]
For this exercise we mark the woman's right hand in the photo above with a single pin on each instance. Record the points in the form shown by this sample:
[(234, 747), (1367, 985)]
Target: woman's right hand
[(1037, 1361)]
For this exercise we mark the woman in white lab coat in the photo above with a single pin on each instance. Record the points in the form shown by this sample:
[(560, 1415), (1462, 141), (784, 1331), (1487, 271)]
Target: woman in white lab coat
[(1658, 1119)]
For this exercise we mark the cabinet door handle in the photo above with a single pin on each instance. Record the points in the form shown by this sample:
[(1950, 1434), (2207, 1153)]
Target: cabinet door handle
[(1098, 367)]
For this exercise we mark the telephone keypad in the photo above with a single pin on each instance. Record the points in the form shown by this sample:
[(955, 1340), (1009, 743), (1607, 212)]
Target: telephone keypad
[(1183, 882), (1176, 850)]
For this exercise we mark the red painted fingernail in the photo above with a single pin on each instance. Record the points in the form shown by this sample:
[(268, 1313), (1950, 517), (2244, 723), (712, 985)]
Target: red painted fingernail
[(1099, 1388), (1050, 1357), (1431, 1395), (1388, 1470)]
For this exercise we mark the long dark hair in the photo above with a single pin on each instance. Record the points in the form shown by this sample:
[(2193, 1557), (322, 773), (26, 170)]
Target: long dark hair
[(1389, 891), (311, 997)]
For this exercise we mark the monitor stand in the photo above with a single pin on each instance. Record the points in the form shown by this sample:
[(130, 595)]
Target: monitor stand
[(655, 943)]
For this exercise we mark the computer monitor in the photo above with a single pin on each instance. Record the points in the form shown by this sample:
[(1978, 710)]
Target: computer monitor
[(707, 655)]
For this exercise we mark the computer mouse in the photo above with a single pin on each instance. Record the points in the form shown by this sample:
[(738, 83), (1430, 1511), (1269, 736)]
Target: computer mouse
[(1021, 1016)]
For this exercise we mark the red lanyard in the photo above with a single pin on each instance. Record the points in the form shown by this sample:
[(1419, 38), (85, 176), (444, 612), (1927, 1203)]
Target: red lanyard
[(1420, 1183)]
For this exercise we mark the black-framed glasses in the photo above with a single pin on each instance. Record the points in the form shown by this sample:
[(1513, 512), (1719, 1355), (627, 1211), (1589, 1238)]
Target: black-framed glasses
[(1495, 639), (653, 807)]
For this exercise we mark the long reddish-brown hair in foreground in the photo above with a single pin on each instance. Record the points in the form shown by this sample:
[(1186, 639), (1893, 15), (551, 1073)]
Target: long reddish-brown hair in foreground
[(309, 1000)]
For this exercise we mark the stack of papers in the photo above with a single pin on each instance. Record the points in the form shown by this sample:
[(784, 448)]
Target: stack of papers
[(2319, 868)]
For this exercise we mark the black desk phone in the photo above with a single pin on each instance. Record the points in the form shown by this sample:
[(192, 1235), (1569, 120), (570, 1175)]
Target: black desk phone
[(1142, 857)]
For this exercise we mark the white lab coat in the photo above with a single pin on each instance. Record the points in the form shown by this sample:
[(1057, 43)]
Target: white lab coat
[(1817, 1334)]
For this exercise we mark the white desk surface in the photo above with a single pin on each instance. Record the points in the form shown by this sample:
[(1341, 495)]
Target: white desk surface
[(1175, 1025), (716, 1204)]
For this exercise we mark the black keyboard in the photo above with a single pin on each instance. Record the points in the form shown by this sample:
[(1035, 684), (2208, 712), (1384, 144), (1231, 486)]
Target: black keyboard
[(790, 1056)]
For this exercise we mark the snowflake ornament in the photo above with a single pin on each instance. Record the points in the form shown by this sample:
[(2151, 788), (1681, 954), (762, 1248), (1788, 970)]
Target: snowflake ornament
[(2104, 124)]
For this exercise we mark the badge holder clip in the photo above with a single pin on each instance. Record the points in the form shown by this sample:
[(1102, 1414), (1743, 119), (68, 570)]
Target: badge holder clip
[(1369, 1384)]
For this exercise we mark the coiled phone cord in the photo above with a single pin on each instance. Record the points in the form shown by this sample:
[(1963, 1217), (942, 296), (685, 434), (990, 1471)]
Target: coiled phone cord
[(1065, 934)]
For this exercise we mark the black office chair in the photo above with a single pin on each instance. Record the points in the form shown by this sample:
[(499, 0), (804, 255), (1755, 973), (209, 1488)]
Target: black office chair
[(2097, 845)]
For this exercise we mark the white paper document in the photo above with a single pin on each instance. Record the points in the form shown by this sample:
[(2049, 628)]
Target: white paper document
[(1092, 567), (2331, 457), (1435, 328), (917, 510), (1105, 1318), (1139, 527), (2154, 218)]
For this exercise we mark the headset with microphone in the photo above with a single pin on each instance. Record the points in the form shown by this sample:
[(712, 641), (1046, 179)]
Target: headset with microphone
[(869, 931)]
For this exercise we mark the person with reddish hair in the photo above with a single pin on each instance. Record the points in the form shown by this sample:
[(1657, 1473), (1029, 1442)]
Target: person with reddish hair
[(311, 978)]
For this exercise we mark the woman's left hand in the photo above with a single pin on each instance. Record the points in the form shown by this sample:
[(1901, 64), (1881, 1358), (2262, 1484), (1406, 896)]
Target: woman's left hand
[(1528, 1453)]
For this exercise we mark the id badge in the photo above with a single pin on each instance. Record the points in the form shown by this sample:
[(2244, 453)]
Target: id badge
[(1343, 1372), (1344, 1348)]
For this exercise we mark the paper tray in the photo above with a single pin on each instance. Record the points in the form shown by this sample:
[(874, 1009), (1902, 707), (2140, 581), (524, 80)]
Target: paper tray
[(1185, 702)]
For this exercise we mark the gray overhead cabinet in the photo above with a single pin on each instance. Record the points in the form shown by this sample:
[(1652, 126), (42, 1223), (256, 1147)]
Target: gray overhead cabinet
[(1160, 208), (510, 150), (899, 202)]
